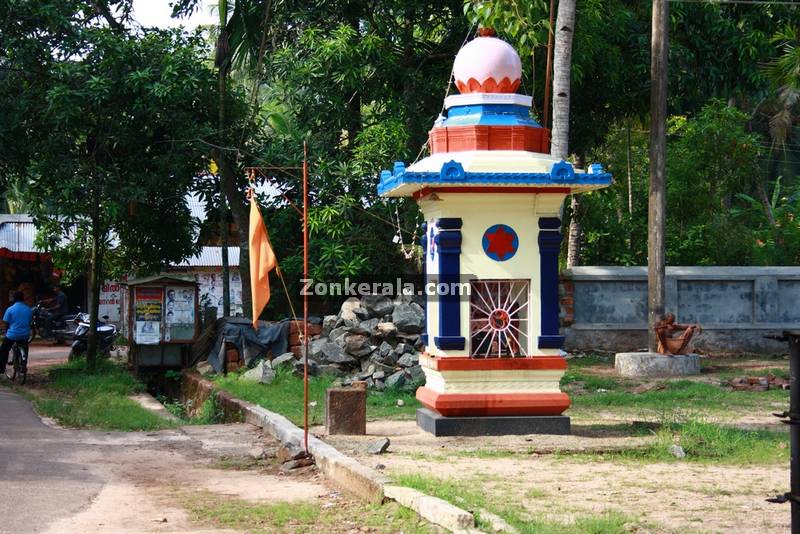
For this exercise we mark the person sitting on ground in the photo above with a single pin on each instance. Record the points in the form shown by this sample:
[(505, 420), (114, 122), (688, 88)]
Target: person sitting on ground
[(673, 346), (17, 321)]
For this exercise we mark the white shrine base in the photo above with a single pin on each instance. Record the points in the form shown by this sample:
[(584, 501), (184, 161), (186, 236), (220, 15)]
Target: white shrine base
[(638, 364)]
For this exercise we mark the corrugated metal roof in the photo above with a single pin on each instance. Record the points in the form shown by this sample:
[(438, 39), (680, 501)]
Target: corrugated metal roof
[(17, 233), (211, 257)]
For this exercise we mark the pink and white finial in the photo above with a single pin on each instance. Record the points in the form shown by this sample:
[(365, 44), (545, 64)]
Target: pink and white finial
[(487, 65)]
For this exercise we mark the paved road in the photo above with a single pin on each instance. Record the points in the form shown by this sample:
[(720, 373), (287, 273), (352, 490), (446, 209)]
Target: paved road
[(38, 481)]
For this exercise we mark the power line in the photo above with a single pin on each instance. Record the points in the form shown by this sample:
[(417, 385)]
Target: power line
[(750, 2)]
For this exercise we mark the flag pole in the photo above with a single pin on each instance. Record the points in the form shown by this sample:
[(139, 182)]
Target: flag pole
[(305, 295)]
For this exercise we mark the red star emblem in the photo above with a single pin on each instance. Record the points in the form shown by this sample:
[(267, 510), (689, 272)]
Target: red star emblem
[(501, 243)]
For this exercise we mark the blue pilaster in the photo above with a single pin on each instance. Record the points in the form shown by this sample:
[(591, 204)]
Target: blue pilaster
[(549, 247), (448, 247), (423, 241)]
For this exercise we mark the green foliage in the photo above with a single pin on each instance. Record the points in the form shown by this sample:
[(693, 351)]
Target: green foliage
[(470, 494), (76, 398), (285, 396), (716, 189)]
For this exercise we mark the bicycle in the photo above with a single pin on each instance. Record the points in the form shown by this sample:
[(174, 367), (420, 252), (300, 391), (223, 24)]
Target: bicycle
[(19, 365)]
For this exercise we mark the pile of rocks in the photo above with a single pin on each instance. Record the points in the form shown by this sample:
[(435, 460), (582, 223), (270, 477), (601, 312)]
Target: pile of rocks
[(374, 339), (757, 383)]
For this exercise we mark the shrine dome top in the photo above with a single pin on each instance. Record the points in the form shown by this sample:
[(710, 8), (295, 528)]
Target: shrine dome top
[(487, 65)]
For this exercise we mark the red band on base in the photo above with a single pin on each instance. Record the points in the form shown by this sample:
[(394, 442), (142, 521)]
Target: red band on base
[(492, 404)]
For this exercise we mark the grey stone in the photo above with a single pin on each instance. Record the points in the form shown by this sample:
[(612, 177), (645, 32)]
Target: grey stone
[(295, 464), (408, 360), (262, 373), (385, 349), (654, 364), (409, 318), (377, 305), (346, 313), (396, 380), (379, 385), (370, 325), (328, 324), (677, 451), (285, 359), (439, 425), (386, 329), (379, 447), (379, 375), (315, 349), (334, 354), (330, 370), (403, 348), (417, 375), (357, 344), (313, 367), (361, 314), (337, 335)]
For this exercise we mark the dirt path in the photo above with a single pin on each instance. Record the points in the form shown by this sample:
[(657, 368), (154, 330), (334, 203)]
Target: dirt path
[(660, 497), (61, 481), (152, 473)]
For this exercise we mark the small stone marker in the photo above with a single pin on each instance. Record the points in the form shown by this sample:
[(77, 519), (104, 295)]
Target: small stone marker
[(346, 410), (677, 451), (379, 447)]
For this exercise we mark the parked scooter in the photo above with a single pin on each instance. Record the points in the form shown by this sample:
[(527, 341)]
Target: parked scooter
[(46, 326), (106, 334)]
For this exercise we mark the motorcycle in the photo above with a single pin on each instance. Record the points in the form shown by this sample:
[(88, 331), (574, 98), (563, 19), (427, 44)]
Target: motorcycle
[(46, 326), (106, 334)]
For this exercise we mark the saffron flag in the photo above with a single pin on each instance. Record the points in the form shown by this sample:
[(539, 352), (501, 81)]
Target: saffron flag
[(262, 260)]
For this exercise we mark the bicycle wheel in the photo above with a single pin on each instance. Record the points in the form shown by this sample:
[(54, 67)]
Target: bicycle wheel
[(12, 373), (21, 367)]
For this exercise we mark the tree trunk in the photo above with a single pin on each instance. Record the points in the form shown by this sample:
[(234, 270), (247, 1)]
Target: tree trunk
[(226, 272), (656, 260), (562, 62), (95, 278), (559, 147), (762, 195), (241, 216), (228, 173)]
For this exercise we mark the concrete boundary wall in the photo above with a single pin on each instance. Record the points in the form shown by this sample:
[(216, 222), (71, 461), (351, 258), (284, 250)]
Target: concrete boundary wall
[(605, 308)]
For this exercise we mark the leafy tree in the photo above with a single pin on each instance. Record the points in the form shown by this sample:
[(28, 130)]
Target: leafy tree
[(108, 118)]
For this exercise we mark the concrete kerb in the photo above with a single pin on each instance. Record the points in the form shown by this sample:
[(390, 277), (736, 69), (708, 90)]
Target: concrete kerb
[(344, 471)]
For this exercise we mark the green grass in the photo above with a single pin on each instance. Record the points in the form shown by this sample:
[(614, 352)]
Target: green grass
[(712, 443), (75, 398), (470, 496), (285, 396), (209, 508), (684, 395)]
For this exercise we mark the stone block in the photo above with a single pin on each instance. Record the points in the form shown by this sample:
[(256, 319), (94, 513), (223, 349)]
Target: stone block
[(346, 411), (653, 364), (439, 425)]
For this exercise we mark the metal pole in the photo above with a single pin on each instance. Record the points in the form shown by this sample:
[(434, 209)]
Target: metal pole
[(794, 428), (305, 295), (792, 418)]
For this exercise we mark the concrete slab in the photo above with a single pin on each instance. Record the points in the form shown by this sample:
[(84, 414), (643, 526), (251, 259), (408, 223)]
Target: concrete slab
[(639, 364), (439, 425)]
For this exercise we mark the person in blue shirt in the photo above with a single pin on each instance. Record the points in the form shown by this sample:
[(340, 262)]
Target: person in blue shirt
[(17, 321)]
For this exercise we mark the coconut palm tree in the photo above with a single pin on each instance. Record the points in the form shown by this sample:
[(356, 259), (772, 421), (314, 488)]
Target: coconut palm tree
[(559, 146)]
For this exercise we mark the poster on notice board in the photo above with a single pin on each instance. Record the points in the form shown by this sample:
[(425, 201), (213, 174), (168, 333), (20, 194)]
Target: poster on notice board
[(148, 304)]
